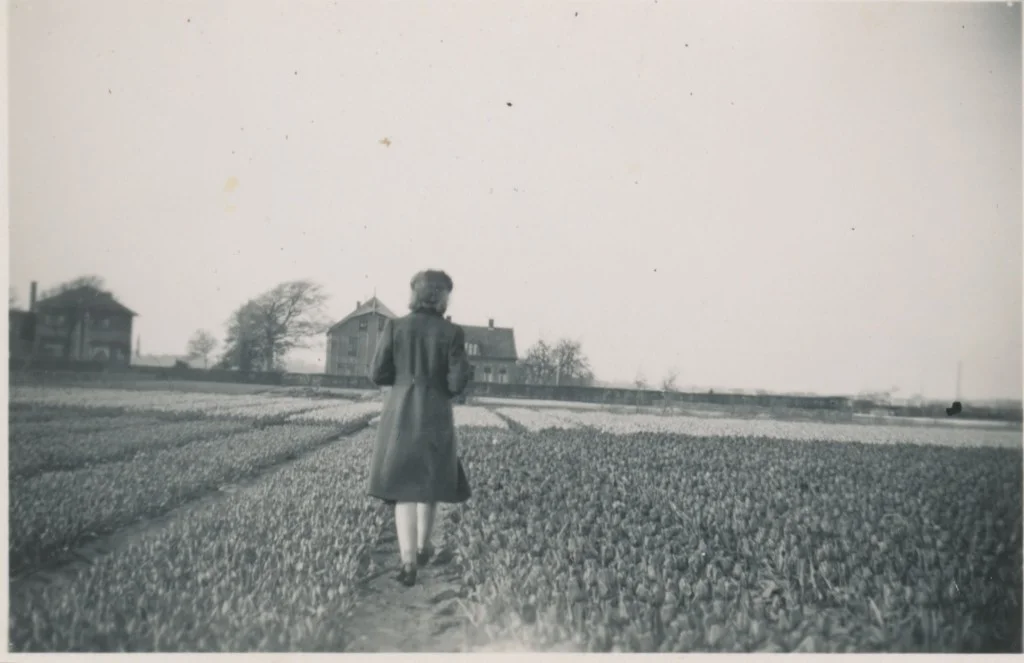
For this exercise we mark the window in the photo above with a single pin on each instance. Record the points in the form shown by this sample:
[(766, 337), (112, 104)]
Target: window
[(487, 373), (502, 376), (103, 323), (362, 324), (353, 346), (472, 349)]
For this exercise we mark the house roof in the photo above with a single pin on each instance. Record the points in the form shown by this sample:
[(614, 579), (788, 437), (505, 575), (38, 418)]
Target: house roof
[(93, 299), (494, 342), (366, 307)]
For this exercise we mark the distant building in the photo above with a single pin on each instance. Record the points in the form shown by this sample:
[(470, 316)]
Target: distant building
[(80, 324), (492, 353), (352, 341)]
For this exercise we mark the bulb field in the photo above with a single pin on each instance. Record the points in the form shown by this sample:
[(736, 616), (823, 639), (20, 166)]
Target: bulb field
[(587, 531)]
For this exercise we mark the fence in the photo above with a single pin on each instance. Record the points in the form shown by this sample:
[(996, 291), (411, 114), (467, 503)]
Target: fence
[(43, 367)]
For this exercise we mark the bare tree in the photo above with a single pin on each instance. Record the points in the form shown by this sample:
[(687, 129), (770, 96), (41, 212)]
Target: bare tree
[(563, 363), (201, 345), (668, 383), (538, 364), (571, 365), (668, 386), (91, 281), (12, 298), (262, 331), (640, 381)]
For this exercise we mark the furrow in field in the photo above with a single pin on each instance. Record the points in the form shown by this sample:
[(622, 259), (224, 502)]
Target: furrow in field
[(30, 455), (55, 510), (269, 568)]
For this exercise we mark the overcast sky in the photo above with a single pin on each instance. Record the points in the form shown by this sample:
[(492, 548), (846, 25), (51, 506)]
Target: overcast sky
[(813, 197)]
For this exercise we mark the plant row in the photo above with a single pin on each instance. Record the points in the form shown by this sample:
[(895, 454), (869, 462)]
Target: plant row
[(55, 510), (670, 543), (269, 568)]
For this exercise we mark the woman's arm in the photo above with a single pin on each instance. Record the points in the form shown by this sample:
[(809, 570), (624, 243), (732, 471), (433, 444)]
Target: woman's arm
[(382, 368), (458, 365)]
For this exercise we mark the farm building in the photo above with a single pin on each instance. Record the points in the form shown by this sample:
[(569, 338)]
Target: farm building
[(352, 341), (79, 324)]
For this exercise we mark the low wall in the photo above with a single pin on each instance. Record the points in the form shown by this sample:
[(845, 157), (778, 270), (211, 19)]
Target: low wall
[(40, 368)]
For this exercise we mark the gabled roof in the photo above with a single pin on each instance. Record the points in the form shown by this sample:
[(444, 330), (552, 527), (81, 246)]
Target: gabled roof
[(366, 307), (494, 342), (85, 296)]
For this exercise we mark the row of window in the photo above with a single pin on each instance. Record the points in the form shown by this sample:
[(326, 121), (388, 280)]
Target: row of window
[(344, 367), (489, 376), (96, 353), (96, 322)]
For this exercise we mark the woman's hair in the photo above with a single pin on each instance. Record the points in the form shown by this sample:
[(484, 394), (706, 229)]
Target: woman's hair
[(430, 290)]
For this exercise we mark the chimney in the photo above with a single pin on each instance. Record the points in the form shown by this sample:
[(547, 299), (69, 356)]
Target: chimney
[(448, 318), (32, 297), (490, 323), (357, 303)]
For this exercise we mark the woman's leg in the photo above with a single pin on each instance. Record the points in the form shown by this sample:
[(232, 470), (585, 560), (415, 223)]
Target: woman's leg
[(425, 514), (405, 526)]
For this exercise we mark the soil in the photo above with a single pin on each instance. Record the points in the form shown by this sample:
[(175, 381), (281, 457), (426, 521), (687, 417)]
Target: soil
[(428, 617)]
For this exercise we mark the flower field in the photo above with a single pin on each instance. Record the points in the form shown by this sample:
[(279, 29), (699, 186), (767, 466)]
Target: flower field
[(670, 533)]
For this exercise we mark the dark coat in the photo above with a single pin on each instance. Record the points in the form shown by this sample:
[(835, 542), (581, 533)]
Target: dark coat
[(422, 357)]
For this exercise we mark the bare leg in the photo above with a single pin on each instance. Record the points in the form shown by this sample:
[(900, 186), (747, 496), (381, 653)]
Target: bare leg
[(405, 526), (425, 514)]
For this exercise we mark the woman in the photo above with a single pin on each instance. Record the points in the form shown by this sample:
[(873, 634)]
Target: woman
[(422, 357)]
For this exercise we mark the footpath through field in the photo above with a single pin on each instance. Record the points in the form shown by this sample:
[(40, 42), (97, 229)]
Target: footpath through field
[(389, 617)]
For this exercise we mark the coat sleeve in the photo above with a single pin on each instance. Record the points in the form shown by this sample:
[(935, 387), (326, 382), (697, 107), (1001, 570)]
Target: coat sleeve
[(458, 365), (382, 368)]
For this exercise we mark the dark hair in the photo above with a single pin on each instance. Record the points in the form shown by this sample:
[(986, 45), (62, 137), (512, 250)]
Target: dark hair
[(430, 290)]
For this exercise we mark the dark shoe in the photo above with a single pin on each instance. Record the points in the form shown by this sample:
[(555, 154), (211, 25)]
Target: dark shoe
[(423, 555), (407, 576)]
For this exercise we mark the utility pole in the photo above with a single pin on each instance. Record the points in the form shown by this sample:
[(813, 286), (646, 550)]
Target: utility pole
[(959, 373)]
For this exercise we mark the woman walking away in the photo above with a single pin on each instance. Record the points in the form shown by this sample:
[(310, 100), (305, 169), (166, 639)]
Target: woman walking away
[(422, 357)]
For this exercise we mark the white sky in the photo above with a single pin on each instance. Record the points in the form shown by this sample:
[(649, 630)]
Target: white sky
[(816, 197)]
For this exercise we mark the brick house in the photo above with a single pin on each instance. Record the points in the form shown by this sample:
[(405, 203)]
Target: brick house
[(352, 341), (492, 352), (83, 324)]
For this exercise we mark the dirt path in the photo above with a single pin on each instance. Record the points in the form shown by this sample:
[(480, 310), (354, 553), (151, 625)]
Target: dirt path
[(390, 617)]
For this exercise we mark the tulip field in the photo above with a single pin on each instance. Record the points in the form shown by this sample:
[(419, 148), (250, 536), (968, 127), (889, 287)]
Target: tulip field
[(587, 530)]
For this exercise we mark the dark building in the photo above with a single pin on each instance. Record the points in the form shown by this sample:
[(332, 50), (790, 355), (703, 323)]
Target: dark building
[(352, 341), (79, 324)]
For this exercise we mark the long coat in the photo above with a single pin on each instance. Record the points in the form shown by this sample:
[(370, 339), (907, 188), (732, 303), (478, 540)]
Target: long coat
[(422, 357)]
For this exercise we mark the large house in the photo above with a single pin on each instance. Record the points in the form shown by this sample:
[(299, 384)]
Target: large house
[(80, 324), (352, 341)]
